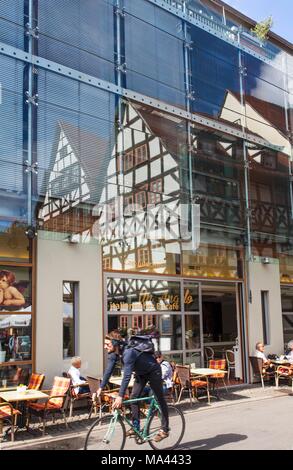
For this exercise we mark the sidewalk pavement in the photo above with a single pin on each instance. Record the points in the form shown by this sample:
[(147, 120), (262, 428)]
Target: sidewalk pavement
[(58, 437)]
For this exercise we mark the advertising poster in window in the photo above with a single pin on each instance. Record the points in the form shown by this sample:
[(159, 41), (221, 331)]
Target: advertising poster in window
[(15, 289)]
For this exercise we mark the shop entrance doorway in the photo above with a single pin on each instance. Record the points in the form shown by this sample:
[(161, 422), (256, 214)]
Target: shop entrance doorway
[(221, 325), (196, 319)]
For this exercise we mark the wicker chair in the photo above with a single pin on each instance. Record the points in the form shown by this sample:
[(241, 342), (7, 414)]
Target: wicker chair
[(94, 384), (73, 396), (209, 354), (17, 378), (183, 379), (284, 372), (9, 414), (199, 382), (259, 370), (55, 403), (230, 358), (218, 364)]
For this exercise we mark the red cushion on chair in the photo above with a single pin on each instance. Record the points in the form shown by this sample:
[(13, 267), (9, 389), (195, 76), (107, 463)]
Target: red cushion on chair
[(41, 406), (219, 364), (36, 381), (5, 411), (198, 383)]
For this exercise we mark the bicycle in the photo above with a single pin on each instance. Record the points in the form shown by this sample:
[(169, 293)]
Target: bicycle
[(109, 432)]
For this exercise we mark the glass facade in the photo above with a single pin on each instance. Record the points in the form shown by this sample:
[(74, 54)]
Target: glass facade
[(166, 140)]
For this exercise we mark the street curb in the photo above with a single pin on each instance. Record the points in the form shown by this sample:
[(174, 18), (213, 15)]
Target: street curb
[(42, 441)]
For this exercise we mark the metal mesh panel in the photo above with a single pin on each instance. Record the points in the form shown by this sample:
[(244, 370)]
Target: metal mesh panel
[(78, 34), (12, 22), (11, 115), (75, 141), (151, 69)]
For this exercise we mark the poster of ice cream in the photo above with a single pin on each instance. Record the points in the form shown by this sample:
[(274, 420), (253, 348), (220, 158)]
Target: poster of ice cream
[(15, 289)]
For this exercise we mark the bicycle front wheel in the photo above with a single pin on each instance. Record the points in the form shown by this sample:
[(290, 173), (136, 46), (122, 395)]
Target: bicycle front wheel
[(176, 425), (106, 433)]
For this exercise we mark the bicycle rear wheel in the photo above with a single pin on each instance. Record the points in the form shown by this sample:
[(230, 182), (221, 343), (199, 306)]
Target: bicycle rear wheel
[(176, 425), (106, 434)]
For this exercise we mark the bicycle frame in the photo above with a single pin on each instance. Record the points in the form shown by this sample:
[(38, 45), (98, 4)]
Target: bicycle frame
[(141, 434)]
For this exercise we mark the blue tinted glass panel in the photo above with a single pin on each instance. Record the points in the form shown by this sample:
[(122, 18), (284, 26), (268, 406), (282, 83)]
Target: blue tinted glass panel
[(11, 112), (12, 20), (78, 34), (151, 69), (215, 77)]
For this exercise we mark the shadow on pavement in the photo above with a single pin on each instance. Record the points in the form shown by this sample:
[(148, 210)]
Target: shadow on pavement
[(213, 442)]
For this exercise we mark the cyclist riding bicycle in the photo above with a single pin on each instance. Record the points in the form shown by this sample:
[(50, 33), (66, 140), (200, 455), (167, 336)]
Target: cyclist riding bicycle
[(146, 370)]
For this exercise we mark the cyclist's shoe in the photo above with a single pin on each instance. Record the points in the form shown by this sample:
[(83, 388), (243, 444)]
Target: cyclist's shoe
[(160, 436), (130, 433)]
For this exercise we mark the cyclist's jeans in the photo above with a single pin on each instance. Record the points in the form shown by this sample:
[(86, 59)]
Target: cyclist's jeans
[(154, 377)]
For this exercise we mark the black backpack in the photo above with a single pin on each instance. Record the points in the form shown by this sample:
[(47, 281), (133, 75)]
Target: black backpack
[(142, 343)]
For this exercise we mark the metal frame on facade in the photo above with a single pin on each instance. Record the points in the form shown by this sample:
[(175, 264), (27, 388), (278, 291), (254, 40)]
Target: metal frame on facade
[(132, 95), (222, 32)]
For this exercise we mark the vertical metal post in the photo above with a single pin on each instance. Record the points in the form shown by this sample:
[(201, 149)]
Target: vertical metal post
[(242, 73), (118, 8), (119, 67), (29, 123), (189, 97), (289, 133)]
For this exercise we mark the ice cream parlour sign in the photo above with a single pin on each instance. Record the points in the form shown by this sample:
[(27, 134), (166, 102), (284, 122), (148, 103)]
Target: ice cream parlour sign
[(149, 302)]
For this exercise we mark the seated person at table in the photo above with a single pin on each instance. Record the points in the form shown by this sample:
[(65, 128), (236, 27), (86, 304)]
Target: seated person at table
[(167, 371), (259, 352), (289, 354), (76, 378)]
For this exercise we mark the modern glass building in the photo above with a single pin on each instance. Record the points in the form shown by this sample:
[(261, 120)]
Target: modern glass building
[(145, 181)]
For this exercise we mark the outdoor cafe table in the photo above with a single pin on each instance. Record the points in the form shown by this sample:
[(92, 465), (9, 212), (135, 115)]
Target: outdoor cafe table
[(207, 372), (117, 380), (15, 396), (279, 362)]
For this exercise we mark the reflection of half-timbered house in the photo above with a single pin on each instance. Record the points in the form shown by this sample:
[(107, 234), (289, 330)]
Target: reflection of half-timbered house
[(268, 175), (269, 169), (140, 201), (73, 185)]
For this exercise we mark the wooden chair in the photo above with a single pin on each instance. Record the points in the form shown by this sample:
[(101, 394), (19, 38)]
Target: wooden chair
[(73, 396), (183, 378), (218, 364), (209, 354), (36, 381), (18, 376), (94, 384), (55, 403), (9, 414), (199, 382), (259, 370), (230, 358)]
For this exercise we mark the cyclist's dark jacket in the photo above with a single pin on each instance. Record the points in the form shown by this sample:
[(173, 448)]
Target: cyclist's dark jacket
[(133, 361)]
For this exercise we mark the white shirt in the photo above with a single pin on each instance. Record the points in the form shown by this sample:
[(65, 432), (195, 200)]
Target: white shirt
[(261, 355), (167, 373), (75, 376)]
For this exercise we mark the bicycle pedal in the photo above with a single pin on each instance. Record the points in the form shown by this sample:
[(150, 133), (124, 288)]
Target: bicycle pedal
[(139, 441)]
